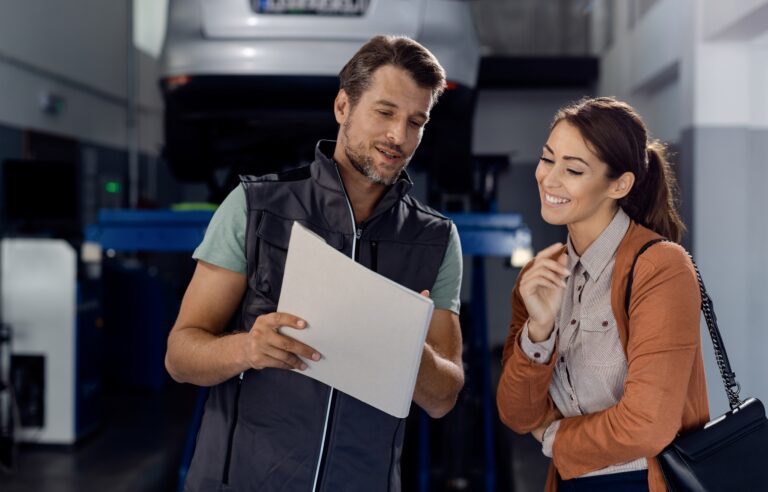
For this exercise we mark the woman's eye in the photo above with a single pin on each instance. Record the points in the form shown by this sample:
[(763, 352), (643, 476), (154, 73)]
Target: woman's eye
[(548, 161), (384, 113), (575, 173)]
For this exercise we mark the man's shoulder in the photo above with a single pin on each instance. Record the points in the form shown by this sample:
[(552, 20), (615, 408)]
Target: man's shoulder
[(423, 210), (297, 174)]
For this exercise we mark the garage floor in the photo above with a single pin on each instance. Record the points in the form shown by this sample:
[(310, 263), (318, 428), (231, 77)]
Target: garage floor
[(140, 443), (137, 449)]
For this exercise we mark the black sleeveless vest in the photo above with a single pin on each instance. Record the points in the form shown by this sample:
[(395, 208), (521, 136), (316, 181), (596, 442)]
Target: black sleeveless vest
[(277, 430)]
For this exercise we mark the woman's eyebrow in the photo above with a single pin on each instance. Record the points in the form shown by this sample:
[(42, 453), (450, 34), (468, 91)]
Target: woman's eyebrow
[(566, 157)]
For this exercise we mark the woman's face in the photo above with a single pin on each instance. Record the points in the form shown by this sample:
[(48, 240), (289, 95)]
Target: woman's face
[(574, 187)]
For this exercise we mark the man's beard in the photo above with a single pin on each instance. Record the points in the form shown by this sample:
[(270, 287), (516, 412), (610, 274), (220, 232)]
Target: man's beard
[(364, 163)]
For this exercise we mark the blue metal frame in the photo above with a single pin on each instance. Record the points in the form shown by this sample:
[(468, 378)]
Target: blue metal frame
[(166, 230), (149, 230), (482, 235)]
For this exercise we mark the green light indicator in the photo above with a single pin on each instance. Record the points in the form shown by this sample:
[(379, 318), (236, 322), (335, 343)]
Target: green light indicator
[(112, 186)]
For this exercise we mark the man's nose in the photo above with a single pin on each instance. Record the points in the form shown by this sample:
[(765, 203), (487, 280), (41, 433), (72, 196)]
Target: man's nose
[(397, 132)]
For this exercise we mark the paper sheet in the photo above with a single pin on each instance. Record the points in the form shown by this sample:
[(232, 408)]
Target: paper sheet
[(369, 329)]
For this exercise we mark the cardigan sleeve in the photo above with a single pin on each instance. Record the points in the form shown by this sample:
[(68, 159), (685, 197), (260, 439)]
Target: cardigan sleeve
[(663, 342), (522, 396)]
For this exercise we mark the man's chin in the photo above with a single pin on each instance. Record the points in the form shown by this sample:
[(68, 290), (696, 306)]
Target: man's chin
[(387, 170), (388, 178)]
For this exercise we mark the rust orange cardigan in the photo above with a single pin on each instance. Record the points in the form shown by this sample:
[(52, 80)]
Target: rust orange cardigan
[(665, 390)]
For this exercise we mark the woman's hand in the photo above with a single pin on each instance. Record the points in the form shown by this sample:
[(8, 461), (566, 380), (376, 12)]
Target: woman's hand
[(542, 289), (538, 433)]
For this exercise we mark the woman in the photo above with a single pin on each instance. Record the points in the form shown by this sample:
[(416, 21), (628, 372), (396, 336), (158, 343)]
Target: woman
[(605, 389)]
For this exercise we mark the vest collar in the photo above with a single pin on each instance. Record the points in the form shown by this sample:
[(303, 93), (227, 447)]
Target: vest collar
[(324, 171)]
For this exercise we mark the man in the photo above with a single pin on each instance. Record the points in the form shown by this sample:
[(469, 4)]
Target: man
[(265, 426)]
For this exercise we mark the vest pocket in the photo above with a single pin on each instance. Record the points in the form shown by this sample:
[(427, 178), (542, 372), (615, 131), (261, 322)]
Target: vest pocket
[(274, 235)]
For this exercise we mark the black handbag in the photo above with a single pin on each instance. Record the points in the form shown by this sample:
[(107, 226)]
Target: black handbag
[(730, 453)]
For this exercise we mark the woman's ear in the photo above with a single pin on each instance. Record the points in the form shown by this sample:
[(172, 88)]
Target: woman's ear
[(622, 185)]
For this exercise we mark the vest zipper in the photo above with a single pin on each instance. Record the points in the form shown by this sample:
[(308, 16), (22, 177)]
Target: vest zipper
[(332, 394), (375, 256), (231, 437), (358, 234)]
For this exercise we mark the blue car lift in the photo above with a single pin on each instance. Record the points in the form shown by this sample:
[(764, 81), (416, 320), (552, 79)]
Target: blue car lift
[(482, 235)]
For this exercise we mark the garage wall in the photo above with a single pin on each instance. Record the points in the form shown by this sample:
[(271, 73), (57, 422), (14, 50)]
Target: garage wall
[(697, 73), (57, 48)]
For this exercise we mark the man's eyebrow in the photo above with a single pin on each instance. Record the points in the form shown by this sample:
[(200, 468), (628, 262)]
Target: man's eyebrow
[(390, 104), (567, 157), (384, 102)]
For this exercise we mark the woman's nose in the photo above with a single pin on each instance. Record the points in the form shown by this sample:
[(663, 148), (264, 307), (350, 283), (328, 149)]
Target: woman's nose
[(549, 176)]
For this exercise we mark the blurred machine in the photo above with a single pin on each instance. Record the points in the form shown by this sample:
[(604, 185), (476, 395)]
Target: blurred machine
[(50, 375), (249, 84), (53, 322)]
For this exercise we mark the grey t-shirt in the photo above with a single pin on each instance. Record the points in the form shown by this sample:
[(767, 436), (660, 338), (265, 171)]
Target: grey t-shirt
[(224, 246)]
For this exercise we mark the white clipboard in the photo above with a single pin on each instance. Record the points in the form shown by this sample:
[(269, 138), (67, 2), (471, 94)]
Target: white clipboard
[(369, 330)]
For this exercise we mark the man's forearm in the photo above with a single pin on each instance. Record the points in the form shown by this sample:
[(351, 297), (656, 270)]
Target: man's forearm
[(438, 383), (199, 357)]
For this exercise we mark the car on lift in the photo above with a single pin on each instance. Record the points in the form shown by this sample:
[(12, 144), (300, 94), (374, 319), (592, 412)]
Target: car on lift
[(249, 84)]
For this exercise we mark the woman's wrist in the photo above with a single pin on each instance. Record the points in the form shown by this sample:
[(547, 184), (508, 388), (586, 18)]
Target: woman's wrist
[(548, 438), (539, 333)]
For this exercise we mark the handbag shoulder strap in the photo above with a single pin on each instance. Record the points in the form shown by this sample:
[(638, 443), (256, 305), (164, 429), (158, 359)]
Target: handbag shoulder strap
[(732, 387)]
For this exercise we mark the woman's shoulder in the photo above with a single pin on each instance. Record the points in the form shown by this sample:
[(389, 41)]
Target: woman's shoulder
[(665, 253), (661, 256)]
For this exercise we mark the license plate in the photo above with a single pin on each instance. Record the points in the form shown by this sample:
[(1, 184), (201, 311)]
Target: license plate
[(311, 7)]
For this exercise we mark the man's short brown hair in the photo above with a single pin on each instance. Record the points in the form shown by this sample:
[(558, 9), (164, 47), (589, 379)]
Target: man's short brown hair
[(399, 51)]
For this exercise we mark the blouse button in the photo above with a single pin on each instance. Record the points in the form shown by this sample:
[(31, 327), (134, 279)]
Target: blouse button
[(605, 323), (537, 355), (573, 321)]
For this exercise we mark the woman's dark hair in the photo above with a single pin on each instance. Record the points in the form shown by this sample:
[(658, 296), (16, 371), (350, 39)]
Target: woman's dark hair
[(617, 135), (398, 51)]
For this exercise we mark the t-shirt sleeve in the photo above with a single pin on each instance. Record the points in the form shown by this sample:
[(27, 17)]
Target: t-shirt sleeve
[(446, 293), (224, 241)]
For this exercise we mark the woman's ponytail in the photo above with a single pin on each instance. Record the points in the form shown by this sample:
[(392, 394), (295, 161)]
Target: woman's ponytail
[(652, 201)]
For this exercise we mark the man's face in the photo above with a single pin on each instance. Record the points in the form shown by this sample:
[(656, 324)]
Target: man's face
[(380, 134)]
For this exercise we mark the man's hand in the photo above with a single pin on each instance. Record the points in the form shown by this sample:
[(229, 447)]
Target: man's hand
[(441, 373), (199, 350), (266, 347)]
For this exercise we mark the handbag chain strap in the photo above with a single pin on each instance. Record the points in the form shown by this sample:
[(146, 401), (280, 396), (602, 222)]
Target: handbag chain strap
[(732, 386)]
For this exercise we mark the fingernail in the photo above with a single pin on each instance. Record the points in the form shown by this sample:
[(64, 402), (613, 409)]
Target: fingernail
[(301, 323), (315, 356), (303, 366)]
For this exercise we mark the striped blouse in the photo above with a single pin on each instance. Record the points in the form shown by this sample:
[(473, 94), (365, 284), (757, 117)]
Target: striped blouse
[(591, 368)]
